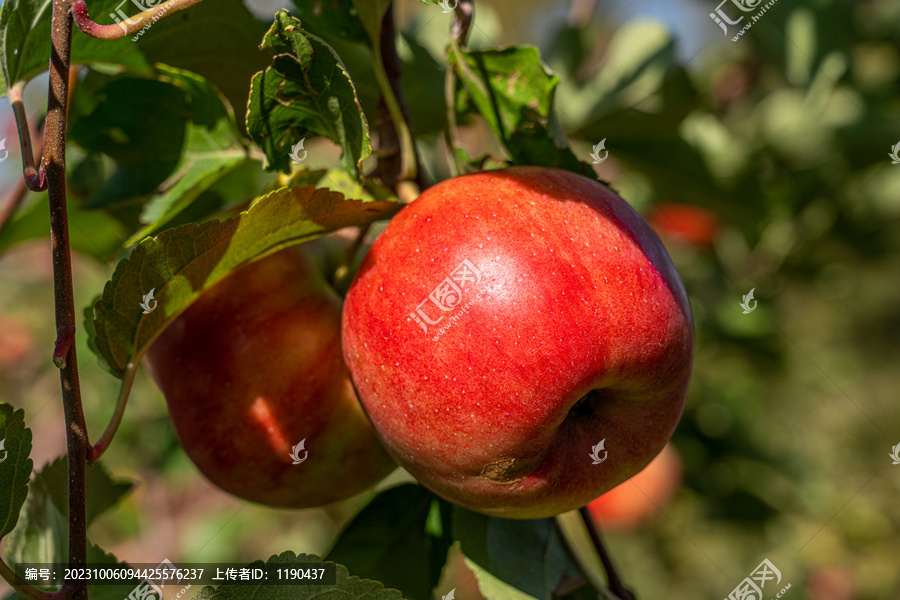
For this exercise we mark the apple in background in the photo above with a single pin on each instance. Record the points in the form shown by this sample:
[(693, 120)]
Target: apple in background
[(834, 582), (503, 325), (16, 342), (636, 500), (690, 223), (252, 368)]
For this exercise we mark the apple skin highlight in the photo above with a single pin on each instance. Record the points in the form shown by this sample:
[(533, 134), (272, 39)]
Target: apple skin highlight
[(503, 324)]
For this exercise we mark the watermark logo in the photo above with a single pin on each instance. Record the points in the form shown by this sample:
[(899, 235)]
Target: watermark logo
[(146, 303), (722, 19), (295, 452), (446, 297), (894, 154), (596, 153), (448, 6), (119, 16), (595, 452), (895, 454), (295, 152), (152, 588), (451, 595), (751, 587), (5, 453), (748, 298), (6, 152), (123, 20)]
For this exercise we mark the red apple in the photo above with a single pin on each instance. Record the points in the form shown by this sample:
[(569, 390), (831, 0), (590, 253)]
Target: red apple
[(254, 367), (691, 223), (635, 501), (503, 325)]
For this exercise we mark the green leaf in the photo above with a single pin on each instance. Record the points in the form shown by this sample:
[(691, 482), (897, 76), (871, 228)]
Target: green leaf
[(140, 123), (307, 90), (345, 587), (640, 58), (340, 20), (514, 92), (337, 180), (25, 42), (390, 540), (118, 591), (212, 150), (181, 263), (174, 136), (15, 465), (423, 85), (102, 490), (216, 40), (493, 588), (371, 14), (42, 534), (529, 555)]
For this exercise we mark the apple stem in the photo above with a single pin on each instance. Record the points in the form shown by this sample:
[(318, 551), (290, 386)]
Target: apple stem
[(615, 584), (342, 273), (97, 450)]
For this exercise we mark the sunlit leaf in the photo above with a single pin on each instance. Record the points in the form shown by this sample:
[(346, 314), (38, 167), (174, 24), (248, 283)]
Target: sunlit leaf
[(306, 91), (513, 90), (182, 262)]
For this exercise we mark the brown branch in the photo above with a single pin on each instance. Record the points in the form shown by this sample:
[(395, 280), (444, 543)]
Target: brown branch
[(462, 21), (128, 25), (615, 584), (35, 179), (65, 337), (389, 149), (55, 167)]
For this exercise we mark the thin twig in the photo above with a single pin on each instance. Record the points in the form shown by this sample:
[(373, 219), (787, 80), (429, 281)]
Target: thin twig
[(128, 25), (35, 179), (592, 578), (462, 21), (97, 450), (459, 33), (343, 271), (55, 167), (615, 584)]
